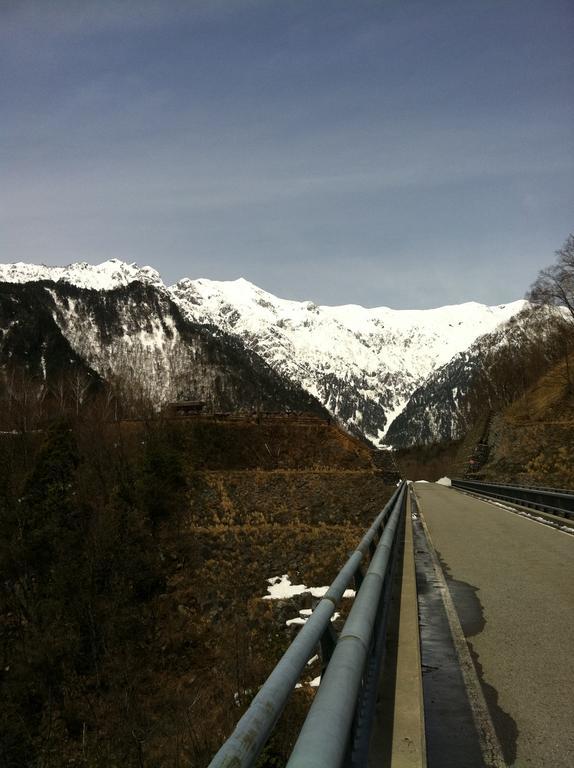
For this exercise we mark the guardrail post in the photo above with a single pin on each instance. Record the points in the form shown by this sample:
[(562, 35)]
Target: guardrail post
[(328, 645)]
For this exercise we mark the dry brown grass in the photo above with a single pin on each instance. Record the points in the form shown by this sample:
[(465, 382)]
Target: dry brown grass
[(550, 399), (533, 439)]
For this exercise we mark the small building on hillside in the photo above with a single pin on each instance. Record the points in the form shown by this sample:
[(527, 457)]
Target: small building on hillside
[(186, 407)]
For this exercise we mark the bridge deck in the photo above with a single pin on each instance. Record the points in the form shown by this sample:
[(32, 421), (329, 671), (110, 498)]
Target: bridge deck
[(511, 580)]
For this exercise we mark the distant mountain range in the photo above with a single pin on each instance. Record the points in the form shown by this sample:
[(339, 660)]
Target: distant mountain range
[(236, 343)]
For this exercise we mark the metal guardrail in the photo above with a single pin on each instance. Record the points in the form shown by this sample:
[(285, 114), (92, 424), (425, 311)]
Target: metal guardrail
[(553, 501), (348, 688)]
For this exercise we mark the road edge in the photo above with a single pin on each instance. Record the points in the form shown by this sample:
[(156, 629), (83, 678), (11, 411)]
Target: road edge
[(489, 744)]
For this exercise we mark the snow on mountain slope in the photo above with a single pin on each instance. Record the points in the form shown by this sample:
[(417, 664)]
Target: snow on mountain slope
[(362, 364), (490, 373), (100, 277), (134, 337)]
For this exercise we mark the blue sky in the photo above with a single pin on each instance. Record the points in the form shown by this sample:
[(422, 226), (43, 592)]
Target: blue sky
[(397, 152)]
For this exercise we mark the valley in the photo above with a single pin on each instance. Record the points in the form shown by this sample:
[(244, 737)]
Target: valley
[(184, 470)]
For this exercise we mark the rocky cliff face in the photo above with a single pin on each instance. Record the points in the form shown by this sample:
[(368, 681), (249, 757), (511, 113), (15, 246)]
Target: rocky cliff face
[(135, 336)]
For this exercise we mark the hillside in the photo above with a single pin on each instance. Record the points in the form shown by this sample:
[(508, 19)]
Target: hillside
[(530, 441), (143, 631), (134, 338)]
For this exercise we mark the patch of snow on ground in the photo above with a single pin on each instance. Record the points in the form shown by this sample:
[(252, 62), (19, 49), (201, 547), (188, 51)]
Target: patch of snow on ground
[(304, 616), (280, 588), (544, 520), (537, 518), (422, 481), (314, 683), (503, 506), (444, 481), (529, 516)]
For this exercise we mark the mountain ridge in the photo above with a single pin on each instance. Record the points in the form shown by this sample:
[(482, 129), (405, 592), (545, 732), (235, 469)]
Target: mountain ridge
[(362, 364)]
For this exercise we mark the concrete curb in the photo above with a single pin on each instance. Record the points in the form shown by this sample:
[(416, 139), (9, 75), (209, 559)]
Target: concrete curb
[(409, 744), (407, 731)]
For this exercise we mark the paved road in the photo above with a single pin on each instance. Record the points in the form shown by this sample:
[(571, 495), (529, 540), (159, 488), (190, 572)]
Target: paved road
[(512, 582)]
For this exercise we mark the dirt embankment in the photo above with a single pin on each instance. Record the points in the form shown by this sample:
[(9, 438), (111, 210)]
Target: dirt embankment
[(272, 499), (530, 441)]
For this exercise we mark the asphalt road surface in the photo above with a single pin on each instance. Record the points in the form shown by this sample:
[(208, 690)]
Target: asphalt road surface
[(512, 583)]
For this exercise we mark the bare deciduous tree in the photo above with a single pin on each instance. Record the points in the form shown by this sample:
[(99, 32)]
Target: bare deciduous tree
[(554, 285)]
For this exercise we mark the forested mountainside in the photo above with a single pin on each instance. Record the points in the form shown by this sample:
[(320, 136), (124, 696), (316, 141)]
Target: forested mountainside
[(135, 338), (362, 364), (531, 441), (519, 429), (30, 337), (495, 370)]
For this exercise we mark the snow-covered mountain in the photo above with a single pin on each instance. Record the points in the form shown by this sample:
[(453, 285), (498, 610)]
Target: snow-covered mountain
[(362, 364), (128, 331)]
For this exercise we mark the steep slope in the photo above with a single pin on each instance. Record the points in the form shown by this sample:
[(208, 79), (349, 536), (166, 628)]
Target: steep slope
[(30, 337), (135, 337), (532, 440), (489, 374)]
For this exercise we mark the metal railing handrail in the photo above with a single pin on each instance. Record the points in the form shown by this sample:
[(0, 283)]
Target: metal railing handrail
[(255, 726), (544, 499), (324, 738), (565, 492)]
